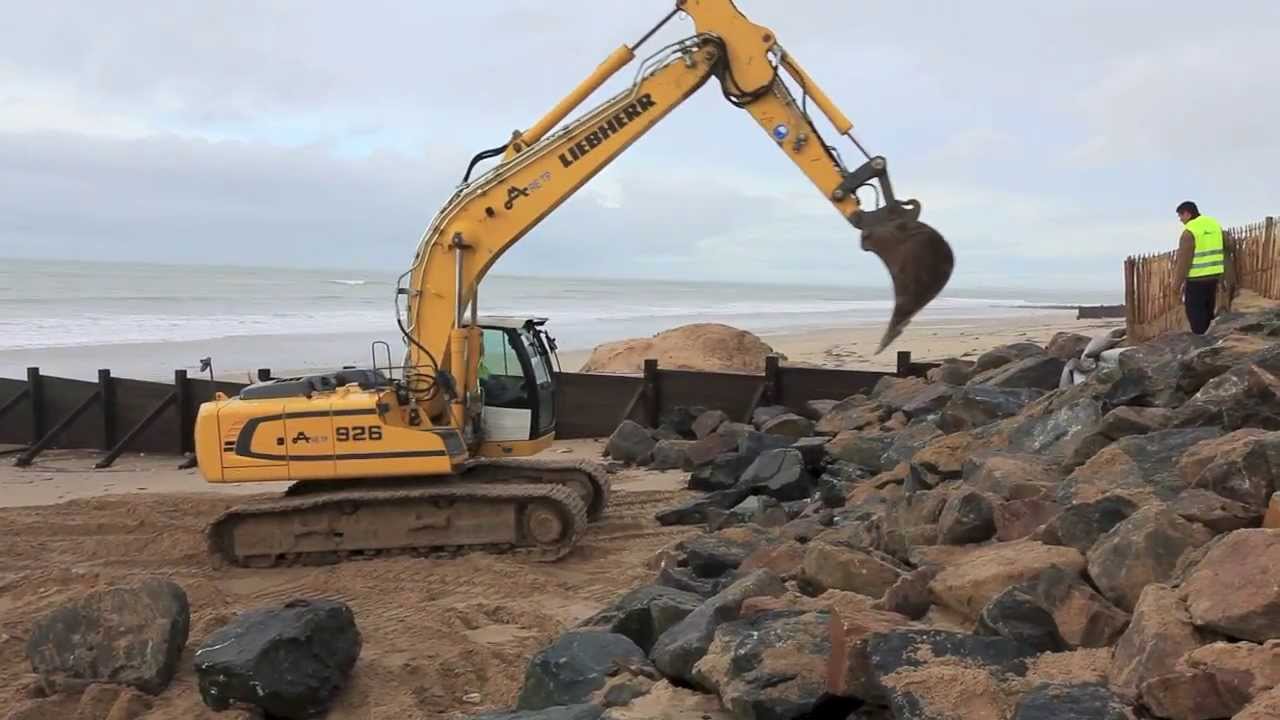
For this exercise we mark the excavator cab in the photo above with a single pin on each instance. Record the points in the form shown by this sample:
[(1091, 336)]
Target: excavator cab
[(517, 382)]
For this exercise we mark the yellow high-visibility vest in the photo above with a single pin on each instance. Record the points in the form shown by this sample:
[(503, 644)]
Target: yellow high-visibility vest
[(1209, 259)]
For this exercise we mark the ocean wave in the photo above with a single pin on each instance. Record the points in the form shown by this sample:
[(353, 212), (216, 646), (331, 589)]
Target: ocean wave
[(348, 282)]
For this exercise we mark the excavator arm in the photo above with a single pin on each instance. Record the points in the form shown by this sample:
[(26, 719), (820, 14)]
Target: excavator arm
[(541, 168)]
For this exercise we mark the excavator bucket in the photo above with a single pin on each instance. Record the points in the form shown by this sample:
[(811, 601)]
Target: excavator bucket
[(919, 260), (920, 263)]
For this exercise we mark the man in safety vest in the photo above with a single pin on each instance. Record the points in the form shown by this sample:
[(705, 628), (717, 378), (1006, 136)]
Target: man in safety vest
[(1201, 265)]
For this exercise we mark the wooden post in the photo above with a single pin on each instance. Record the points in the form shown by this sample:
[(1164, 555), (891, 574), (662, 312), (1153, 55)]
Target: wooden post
[(36, 393), (904, 363), (772, 380), (1130, 298), (186, 428), (107, 388), (651, 398)]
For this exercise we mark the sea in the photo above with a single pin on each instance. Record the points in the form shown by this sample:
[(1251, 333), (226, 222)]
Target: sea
[(145, 321)]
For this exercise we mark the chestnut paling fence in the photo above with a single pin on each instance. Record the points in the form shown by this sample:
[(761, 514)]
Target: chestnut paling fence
[(1152, 306)]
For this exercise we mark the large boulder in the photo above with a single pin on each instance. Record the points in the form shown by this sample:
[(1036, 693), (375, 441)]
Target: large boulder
[(708, 422), (671, 455), (1128, 420), (1200, 366), (832, 567), (897, 393), (974, 406), (1141, 463), (945, 456), (715, 554), (679, 420), (1215, 512), (1080, 525), (1010, 474), (1144, 548), (770, 665), (1241, 672), (1245, 396), (1005, 354), (711, 347), (127, 635), (857, 412), (699, 510), (789, 425), (951, 371), (939, 674), (290, 661), (643, 614), (1067, 345), (1071, 432), (574, 667), (968, 517), (966, 586), (1160, 633), (1014, 614), (1022, 518), (1233, 589), (1092, 701), (1265, 707), (1039, 372), (679, 649), (864, 449), (631, 443), (780, 474), (1240, 466), (722, 473), (1084, 618), (1148, 374), (752, 443)]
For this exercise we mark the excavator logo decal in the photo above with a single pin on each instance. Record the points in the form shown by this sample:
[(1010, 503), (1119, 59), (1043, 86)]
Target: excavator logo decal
[(515, 192), (612, 126)]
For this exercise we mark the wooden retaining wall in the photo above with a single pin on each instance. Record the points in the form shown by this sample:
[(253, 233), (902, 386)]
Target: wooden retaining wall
[(140, 416)]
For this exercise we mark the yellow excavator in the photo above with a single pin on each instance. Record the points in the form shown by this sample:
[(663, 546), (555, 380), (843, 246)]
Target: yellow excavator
[(435, 457)]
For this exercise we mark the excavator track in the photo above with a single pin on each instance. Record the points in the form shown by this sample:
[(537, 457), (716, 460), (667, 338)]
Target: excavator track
[(589, 479), (538, 522)]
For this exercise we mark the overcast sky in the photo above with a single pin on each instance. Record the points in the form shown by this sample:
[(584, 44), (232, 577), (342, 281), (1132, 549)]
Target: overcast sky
[(1046, 141)]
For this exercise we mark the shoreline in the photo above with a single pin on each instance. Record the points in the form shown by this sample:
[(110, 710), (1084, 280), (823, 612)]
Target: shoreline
[(236, 358)]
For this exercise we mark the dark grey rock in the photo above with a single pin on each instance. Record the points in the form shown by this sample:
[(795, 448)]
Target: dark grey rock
[(865, 450), (1059, 432), (1084, 618), (760, 510), (1014, 614), (680, 419), (679, 578), (716, 554), (1127, 420), (780, 474), (671, 455), (968, 517), (907, 443), (631, 443), (1005, 354), (753, 444), (1244, 397), (974, 406), (930, 400), (845, 472), (815, 409), (681, 647), (1148, 374), (1136, 463), (901, 649), (574, 667), (708, 422), (645, 613), (1093, 701), (1215, 512), (126, 635), (763, 666), (813, 450), (721, 473), (1040, 372), (789, 425), (762, 415), (952, 371), (695, 512), (705, 451), (853, 413), (1144, 548), (832, 492), (290, 661), (1080, 525)]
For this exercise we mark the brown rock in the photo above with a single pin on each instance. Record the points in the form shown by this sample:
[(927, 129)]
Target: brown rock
[(1018, 519), (1233, 589), (967, 586), (131, 705), (896, 393), (910, 595), (1067, 345), (853, 413), (789, 425), (1200, 366), (783, 560), (849, 667), (1265, 707), (951, 371), (774, 660), (1004, 473), (831, 567), (1145, 548), (1272, 519), (1136, 464), (1214, 511), (946, 455), (1005, 354), (1084, 618), (1243, 397), (1186, 695), (1159, 635), (1129, 420), (667, 702), (1242, 671)]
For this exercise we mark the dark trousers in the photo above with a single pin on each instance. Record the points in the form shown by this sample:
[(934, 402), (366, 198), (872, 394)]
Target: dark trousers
[(1200, 298)]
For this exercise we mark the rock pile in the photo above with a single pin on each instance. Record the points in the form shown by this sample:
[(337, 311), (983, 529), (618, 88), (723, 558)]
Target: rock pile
[(990, 543)]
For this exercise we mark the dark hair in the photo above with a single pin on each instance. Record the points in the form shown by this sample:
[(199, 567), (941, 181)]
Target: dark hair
[(1189, 208)]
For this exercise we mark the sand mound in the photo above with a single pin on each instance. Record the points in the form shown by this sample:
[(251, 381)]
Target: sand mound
[(701, 346)]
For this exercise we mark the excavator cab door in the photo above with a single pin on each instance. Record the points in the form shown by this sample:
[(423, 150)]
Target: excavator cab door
[(517, 383)]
